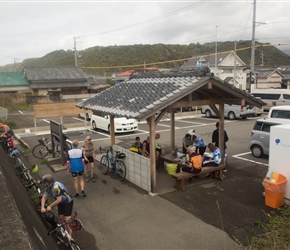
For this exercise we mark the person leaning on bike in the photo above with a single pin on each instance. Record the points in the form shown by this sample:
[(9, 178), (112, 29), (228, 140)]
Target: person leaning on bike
[(63, 199)]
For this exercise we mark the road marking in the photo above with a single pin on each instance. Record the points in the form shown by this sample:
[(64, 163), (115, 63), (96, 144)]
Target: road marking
[(79, 119), (45, 120), (20, 112), (39, 237), (238, 156)]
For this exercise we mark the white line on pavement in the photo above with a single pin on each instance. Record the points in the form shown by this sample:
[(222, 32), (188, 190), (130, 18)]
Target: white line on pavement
[(245, 159)]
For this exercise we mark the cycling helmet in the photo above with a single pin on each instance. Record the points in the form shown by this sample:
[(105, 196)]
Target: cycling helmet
[(47, 179)]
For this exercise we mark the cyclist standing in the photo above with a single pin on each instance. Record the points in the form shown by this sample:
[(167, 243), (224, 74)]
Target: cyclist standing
[(75, 165), (63, 199)]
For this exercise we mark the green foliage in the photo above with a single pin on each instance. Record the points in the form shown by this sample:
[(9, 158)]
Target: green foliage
[(11, 123), (276, 231), (105, 61)]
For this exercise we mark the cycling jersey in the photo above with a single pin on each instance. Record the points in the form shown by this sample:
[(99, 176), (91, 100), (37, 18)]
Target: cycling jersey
[(58, 189)]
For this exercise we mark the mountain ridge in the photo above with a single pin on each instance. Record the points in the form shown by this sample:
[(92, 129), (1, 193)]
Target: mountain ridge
[(105, 60)]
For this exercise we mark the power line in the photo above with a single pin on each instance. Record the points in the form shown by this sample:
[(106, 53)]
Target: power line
[(178, 60)]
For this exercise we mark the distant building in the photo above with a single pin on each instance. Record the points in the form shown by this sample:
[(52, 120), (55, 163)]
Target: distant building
[(230, 67), (13, 82)]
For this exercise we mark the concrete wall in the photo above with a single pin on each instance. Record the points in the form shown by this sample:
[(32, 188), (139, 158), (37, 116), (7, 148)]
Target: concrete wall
[(138, 168)]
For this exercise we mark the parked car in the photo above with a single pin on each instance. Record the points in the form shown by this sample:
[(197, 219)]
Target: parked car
[(260, 135), (122, 124), (230, 111), (282, 112)]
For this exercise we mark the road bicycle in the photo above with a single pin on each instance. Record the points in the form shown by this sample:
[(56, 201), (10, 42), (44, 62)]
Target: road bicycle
[(7, 143), (58, 230), (44, 147), (113, 162)]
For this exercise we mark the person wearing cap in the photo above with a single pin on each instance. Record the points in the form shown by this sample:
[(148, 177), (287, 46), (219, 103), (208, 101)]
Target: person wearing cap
[(186, 142), (200, 145), (89, 155), (63, 199), (75, 165), (194, 165)]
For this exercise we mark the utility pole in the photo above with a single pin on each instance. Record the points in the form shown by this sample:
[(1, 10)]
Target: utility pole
[(216, 46), (253, 46), (75, 49)]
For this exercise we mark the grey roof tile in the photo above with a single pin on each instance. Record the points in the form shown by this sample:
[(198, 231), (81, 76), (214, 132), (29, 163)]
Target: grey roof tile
[(144, 94)]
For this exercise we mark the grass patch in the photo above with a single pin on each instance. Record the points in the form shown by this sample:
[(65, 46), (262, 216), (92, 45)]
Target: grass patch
[(44, 161), (276, 234)]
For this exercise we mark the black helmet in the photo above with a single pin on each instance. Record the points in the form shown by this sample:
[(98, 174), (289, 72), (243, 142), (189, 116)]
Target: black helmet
[(47, 179)]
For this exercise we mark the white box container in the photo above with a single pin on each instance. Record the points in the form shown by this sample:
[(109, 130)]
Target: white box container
[(279, 153)]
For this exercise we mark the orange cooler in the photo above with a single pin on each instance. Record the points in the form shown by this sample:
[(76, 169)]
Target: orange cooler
[(275, 190)]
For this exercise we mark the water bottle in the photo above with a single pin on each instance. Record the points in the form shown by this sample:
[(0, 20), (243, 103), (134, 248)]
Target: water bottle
[(175, 152)]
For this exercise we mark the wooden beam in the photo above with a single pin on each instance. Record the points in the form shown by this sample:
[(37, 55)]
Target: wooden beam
[(112, 130)]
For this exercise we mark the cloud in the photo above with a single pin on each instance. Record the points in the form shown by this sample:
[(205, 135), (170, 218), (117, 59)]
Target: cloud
[(33, 29)]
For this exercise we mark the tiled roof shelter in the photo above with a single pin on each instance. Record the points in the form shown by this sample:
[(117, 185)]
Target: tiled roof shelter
[(145, 94)]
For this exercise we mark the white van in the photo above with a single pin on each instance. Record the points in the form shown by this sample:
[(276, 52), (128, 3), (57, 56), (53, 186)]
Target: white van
[(122, 124), (230, 111), (282, 112), (273, 97)]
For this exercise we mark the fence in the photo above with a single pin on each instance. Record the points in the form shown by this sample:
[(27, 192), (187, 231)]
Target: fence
[(3, 113)]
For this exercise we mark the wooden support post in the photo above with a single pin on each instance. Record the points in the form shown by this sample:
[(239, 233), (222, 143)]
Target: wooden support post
[(112, 130), (152, 153)]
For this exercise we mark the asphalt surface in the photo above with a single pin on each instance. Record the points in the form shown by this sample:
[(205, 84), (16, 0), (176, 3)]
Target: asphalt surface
[(210, 214)]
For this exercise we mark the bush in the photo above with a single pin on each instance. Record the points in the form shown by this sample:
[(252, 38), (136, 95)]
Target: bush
[(11, 123)]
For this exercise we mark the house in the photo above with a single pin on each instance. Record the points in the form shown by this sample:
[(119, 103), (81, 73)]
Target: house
[(13, 82), (229, 66), (268, 79), (285, 71), (55, 81)]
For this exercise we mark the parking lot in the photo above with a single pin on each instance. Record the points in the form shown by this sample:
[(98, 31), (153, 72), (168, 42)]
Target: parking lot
[(238, 131), (237, 201)]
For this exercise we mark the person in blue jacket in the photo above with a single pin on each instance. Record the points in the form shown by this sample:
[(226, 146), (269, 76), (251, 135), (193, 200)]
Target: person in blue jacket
[(75, 165)]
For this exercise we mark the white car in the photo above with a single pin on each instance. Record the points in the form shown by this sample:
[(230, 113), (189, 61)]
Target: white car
[(122, 124)]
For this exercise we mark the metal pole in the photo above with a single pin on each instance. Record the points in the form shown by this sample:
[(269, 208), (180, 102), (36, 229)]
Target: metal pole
[(216, 46), (253, 45), (75, 48)]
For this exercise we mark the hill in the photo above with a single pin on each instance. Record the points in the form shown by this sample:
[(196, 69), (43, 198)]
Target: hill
[(100, 60)]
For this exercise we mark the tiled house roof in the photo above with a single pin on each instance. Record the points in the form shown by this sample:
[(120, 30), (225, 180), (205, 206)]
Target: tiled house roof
[(54, 73), (12, 79), (144, 94), (56, 77)]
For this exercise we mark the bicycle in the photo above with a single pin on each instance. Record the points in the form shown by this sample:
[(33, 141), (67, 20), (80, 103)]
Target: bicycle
[(7, 143), (113, 162), (44, 147), (28, 180), (58, 230)]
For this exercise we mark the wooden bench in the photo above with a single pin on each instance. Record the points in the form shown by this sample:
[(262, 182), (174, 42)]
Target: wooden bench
[(181, 177)]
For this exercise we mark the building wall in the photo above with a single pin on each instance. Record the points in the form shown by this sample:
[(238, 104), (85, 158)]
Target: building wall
[(138, 168)]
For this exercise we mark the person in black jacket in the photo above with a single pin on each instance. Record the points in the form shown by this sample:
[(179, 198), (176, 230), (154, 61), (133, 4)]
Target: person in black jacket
[(215, 136), (215, 140)]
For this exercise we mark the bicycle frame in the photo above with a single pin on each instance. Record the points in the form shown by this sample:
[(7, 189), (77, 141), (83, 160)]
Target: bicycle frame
[(113, 162)]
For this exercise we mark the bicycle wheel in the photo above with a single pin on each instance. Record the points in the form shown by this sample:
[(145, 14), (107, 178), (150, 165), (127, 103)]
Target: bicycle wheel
[(40, 151), (120, 171), (104, 165), (74, 245)]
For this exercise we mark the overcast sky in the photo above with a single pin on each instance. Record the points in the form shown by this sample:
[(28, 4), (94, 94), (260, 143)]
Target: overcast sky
[(34, 28)]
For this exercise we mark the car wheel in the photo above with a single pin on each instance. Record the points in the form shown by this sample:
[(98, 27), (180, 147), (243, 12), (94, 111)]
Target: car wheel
[(207, 113), (257, 151), (94, 125), (231, 115)]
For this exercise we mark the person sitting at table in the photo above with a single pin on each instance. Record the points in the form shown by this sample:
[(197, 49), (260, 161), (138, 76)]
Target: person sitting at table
[(146, 147), (136, 148), (194, 163), (216, 158), (186, 142)]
